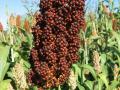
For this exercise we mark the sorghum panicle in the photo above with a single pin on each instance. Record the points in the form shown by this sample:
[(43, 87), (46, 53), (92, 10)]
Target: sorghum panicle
[(56, 41)]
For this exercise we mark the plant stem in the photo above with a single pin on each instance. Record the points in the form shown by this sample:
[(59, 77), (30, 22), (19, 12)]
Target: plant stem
[(11, 43)]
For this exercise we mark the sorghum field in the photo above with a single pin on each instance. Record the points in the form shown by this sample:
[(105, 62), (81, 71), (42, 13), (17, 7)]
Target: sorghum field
[(62, 46)]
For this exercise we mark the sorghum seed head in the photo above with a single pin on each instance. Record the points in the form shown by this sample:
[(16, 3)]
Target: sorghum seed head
[(56, 41)]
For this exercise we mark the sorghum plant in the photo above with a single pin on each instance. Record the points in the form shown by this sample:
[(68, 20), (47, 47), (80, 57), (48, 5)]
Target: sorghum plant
[(56, 41), (1, 27)]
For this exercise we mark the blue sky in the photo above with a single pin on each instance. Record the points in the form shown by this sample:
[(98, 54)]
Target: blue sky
[(10, 6), (16, 7)]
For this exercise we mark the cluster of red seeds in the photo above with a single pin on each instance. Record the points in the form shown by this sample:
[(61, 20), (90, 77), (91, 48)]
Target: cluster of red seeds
[(56, 41)]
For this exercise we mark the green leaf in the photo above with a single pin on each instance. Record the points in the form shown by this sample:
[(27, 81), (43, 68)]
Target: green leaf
[(3, 60), (80, 87), (4, 52), (77, 70), (117, 36), (103, 58), (115, 50), (113, 85), (27, 64), (34, 88), (6, 67), (104, 79), (105, 70), (10, 74), (91, 69), (89, 84), (4, 84), (100, 84)]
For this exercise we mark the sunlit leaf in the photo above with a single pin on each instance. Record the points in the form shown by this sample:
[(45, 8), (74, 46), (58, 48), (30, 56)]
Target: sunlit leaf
[(91, 69), (4, 84), (3, 60), (80, 87), (113, 85), (104, 79), (89, 84)]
